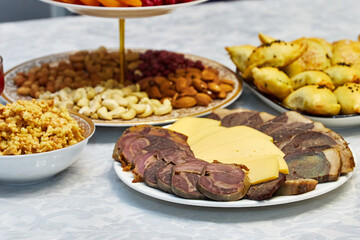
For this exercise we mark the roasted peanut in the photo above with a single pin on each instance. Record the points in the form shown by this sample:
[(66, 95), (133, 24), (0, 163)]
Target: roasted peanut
[(19, 80), (23, 90)]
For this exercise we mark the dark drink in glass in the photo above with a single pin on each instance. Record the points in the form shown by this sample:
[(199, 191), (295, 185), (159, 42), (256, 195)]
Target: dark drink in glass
[(1, 75)]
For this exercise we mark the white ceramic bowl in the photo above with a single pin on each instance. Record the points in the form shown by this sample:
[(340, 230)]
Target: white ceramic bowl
[(38, 167)]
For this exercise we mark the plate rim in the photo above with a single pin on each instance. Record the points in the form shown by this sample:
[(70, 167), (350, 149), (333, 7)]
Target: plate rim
[(122, 12), (141, 187), (348, 120), (104, 123)]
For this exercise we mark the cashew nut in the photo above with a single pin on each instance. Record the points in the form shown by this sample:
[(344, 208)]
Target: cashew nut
[(122, 102), (127, 90), (139, 108), (110, 104), (90, 92), (67, 104), (104, 114), (164, 108), (64, 96), (86, 110), (94, 115), (94, 105), (140, 95), (78, 94), (117, 112), (99, 89), (131, 100), (148, 111), (83, 102), (129, 114)]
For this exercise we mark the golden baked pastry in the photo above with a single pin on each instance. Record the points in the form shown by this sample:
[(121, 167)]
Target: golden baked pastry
[(272, 81), (348, 96), (275, 54), (313, 99), (265, 38), (316, 56), (311, 77), (240, 54), (341, 74), (346, 51)]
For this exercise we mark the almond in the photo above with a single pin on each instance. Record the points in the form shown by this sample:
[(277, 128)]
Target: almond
[(221, 95), (185, 102), (199, 84), (154, 92), (227, 81), (165, 85), (189, 91), (181, 84), (208, 75), (202, 99), (169, 93), (214, 87), (226, 87)]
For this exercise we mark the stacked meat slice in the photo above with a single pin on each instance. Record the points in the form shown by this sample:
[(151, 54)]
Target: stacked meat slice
[(314, 153), (163, 159)]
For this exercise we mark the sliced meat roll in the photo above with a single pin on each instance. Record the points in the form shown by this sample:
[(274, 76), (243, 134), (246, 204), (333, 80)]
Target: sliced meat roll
[(265, 190), (323, 166), (297, 186), (185, 177), (223, 182)]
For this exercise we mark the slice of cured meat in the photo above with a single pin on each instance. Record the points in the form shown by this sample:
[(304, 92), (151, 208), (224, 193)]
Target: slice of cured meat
[(185, 177), (297, 186), (240, 116), (323, 166), (150, 171), (265, 190), (142, 146), (223, 182), (163, 177), (164, 174), (305, 140), (279, 122)]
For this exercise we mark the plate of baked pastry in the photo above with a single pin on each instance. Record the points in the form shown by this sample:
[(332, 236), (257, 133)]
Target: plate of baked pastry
[(258, 159), (310, 75)]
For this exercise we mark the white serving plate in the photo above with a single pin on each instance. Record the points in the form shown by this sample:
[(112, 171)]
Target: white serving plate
[(10, 93), (122, 12), (322, 188)]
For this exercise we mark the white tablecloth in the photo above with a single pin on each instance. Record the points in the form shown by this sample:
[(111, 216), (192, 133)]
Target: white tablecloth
[(88, 201)]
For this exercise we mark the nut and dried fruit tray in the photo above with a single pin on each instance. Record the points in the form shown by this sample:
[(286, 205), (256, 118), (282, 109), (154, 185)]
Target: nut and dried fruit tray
[(11, 94)]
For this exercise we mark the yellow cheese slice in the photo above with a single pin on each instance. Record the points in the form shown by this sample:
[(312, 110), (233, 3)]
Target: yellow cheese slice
[(227, 136), (282, 165), (251, 147), (191, 125), (262, 170), (193, 139)]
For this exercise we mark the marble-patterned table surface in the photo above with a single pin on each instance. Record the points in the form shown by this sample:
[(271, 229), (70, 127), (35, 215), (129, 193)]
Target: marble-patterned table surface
[(88, 201)]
